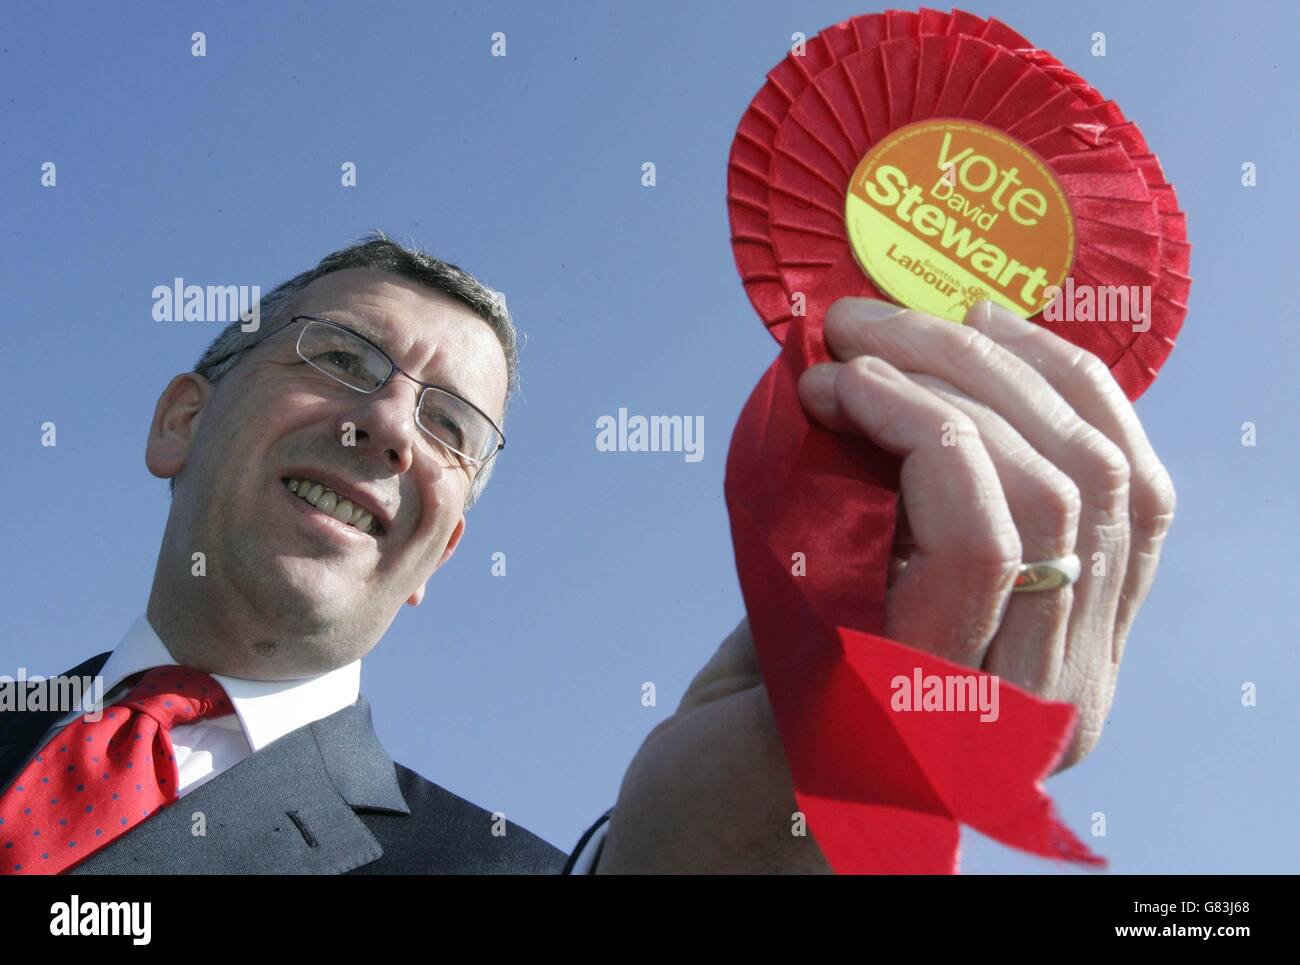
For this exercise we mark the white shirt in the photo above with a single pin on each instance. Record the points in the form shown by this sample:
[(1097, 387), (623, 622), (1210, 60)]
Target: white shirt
[(265, 710), (585, 864)]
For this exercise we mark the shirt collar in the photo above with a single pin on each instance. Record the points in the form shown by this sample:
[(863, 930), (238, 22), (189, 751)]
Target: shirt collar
[(266, 709)]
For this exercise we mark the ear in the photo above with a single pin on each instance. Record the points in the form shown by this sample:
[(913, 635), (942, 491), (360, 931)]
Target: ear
[(175, 424), (415, 598)]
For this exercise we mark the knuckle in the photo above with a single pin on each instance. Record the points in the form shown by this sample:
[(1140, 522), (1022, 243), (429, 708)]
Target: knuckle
[(1093, 371), (1058, 504), (1153, 501), (1051, 490), (993, 556), (1065, 501), (1086, 741), (1103, 470), (962, 345)]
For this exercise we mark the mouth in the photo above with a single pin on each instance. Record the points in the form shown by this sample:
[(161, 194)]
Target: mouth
[(344, 511)]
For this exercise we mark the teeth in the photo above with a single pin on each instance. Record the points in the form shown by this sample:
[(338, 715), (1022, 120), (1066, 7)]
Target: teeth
[(328, 501)]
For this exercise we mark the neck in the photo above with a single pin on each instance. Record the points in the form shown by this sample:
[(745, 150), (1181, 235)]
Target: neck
[(203, 627)]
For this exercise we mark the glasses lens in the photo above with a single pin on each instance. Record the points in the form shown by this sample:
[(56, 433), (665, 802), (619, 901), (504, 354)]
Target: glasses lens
[(343, 356), (457, 425)]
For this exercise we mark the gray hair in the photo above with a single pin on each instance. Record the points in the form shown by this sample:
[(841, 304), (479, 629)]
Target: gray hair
[(378, 253)]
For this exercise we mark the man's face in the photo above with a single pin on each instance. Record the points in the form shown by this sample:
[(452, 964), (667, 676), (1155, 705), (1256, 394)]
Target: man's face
[(295, 591)]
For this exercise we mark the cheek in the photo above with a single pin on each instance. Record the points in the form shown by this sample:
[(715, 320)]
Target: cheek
[(234, 441), (267, 413), (443, 502)]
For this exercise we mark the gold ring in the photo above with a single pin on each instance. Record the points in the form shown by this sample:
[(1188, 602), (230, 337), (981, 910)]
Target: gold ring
[(1047, 574)]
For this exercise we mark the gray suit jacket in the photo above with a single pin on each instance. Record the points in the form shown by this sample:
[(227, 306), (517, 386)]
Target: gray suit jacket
[(324, 799)]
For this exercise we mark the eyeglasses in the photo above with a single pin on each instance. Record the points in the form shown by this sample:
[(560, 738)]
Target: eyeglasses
[(352, 359)]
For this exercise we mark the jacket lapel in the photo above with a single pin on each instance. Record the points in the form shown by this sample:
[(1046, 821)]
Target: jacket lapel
[(20, 730), (288, 809)]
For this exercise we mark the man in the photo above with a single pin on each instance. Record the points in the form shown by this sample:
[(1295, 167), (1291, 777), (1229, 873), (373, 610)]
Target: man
[(323, 467)]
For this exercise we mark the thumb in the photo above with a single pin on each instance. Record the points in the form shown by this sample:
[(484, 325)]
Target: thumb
[(733, 667)]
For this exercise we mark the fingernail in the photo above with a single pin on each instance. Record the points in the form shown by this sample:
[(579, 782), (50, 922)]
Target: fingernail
[(871, 310)]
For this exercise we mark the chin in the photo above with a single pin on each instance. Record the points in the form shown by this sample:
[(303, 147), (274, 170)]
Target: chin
[(304, 593)]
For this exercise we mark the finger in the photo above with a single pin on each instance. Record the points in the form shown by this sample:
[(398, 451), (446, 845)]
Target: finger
[(1091, 390), (817, 393), (984, 370), (950, 597), (995, 376), (1029, 647), (819, 397)]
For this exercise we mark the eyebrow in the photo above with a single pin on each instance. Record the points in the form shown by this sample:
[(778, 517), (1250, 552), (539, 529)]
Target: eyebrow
[(364, 329)]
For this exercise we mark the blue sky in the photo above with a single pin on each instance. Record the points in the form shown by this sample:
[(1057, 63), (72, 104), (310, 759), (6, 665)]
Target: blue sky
[(526, 170)]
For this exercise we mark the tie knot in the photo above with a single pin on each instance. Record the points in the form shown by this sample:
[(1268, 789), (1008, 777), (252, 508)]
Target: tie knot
[(178, 695)]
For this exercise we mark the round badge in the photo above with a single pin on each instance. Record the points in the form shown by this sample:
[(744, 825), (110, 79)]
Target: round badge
[(944, 213)]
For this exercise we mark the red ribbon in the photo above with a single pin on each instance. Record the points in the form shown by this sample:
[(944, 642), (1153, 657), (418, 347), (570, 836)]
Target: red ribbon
[(884, 790)]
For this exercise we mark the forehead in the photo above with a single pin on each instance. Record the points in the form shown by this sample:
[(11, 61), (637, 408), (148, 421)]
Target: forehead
[(435, 337)]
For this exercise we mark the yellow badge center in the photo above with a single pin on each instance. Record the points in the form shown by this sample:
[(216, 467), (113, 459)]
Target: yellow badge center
[(945, 213)]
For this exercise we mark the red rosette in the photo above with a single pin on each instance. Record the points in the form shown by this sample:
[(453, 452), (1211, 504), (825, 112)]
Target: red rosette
[(820, 111), (882, 791)]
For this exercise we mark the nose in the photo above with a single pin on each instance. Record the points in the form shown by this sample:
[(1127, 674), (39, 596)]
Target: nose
[(384, 425)]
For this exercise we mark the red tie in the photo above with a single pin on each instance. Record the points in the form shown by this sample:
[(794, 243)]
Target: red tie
[(97, 780)]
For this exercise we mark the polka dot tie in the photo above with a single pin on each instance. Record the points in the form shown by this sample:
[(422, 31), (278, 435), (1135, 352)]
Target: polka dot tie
[(96, 780)]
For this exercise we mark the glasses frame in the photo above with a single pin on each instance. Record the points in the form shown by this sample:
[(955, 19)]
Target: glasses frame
[(392, 367)]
